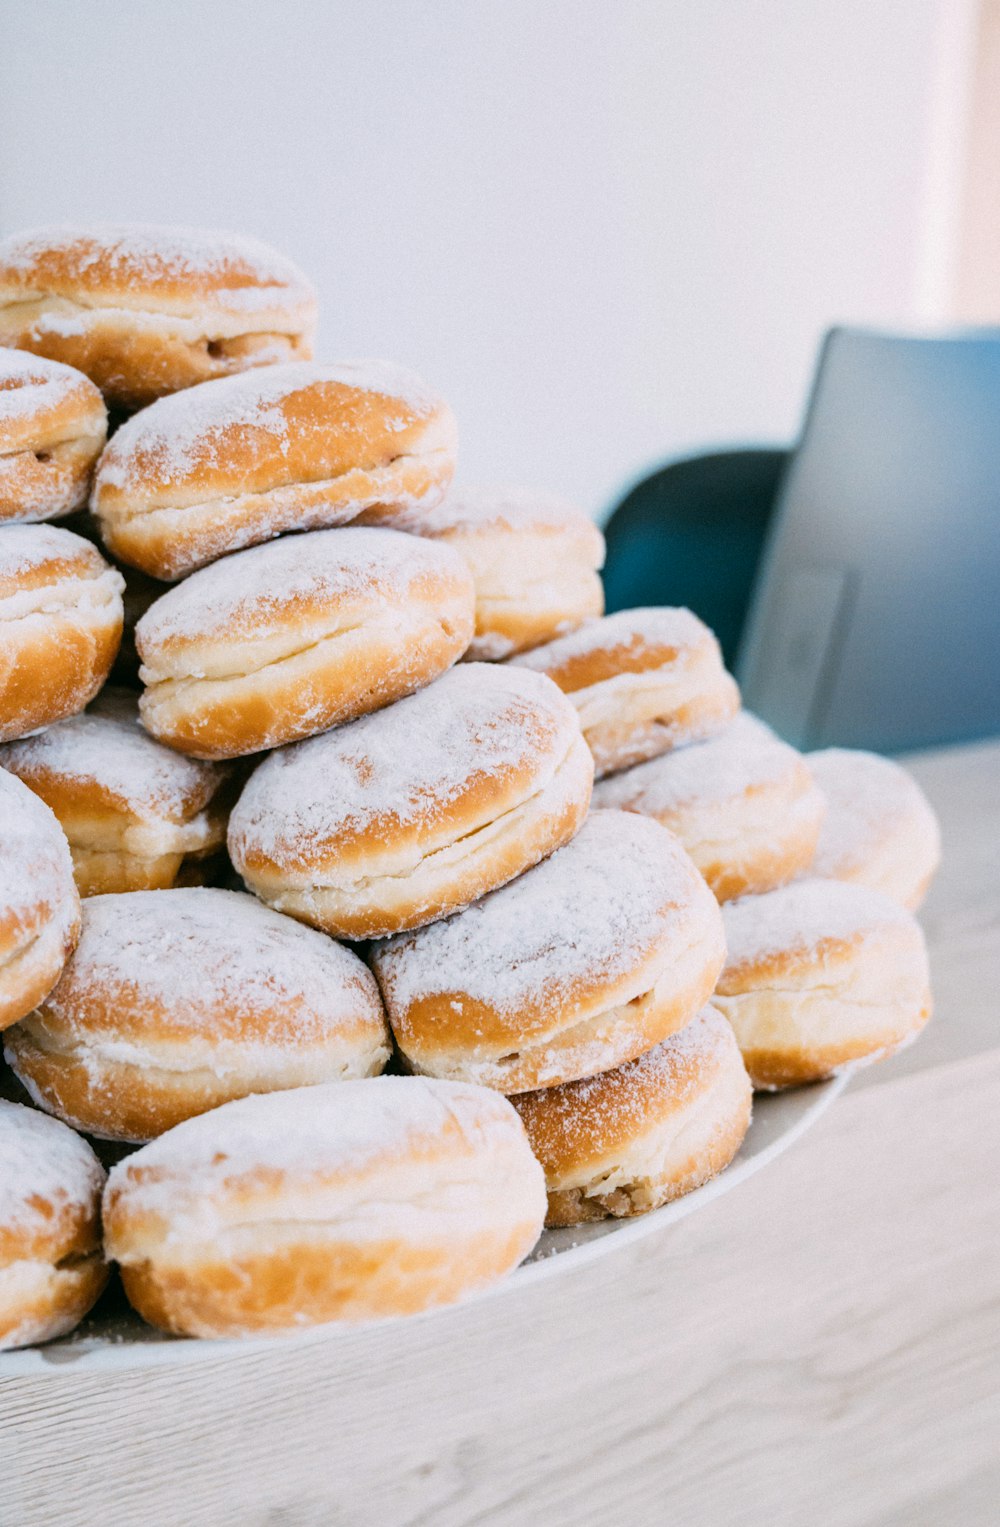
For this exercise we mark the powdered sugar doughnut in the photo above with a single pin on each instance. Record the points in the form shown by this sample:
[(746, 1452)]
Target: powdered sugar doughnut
[(534, 559), (586, 961), (39, 904), (283, 641), (144, 310), (643, 681), (53, 425), (353, 1202), (880, 829), (176, 1001), (744, 805), (403, 816), (235, 462), (631, 1139), (133, 810), (60, 625), (51, 1267), (821, 975)]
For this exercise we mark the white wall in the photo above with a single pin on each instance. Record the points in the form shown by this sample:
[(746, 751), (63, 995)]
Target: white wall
[(608, 231)]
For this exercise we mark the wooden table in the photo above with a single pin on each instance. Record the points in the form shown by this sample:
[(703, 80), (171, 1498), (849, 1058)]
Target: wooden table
[(821, 1346)]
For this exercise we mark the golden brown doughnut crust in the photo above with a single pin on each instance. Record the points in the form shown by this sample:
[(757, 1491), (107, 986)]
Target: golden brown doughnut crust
[(350, 1203), (743, 803), (285, 640), (51, 1266), (821, 975), (235, 462), (176, 1001), (39, 904), (133, 811), (53, 425), (584, 962), (60, 625), (145, 310), (535, 561), (644, 681), (401, 817), (629, 1140)]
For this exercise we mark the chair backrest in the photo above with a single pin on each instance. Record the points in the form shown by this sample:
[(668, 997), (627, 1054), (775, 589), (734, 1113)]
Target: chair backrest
[(876, 617), (692, 534)]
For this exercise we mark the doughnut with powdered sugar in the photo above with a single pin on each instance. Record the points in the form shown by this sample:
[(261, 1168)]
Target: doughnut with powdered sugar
[(405, 815), (335, 1203), (821, 975), (53, 425), (644, 681), (231, 463), (145, 310), (592, 957)]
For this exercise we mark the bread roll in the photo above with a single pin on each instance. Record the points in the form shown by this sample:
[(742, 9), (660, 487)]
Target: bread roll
[(145, 310), (403, 816), (60, 626), (631, 1139), (535, 561), (821, 975), (51, 1267), (134, 811), (344, 1203), (53, 425), (282, 641), (744, 805), (590, 958), (39, 904), (177, 1001), (880, 829), (643, 681), (235, 462)]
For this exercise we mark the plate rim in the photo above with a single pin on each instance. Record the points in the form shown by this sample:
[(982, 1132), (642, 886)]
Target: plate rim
[(59, 1359)]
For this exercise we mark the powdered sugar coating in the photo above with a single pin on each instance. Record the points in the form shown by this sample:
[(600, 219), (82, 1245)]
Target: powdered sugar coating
[(659, 626), (31, 386), (36, 871), (870, 799), (210, 960), (745, 756), (472, 508), (24, 548), (106, 747), (246, 274), (45, 1169), (405, 764), (621, 1104), (252, 590), (801, 918), (332, 1126), (594, 910), (193, 430)]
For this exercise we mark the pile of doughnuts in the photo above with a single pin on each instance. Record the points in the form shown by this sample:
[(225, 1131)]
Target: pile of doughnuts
[(315, 928)]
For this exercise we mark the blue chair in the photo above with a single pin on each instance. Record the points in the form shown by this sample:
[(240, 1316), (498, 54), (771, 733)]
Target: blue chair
[(692, 534)]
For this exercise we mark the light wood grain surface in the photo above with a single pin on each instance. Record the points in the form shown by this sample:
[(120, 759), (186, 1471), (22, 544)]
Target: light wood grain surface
[(822, 1346)]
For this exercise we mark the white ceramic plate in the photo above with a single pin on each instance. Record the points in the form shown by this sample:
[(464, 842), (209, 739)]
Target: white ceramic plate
[(113, 1337)]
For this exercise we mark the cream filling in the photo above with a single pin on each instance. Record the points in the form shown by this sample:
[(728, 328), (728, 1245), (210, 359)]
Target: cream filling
[(150, 839), (282, 498), (98, 597), (49, 314)]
